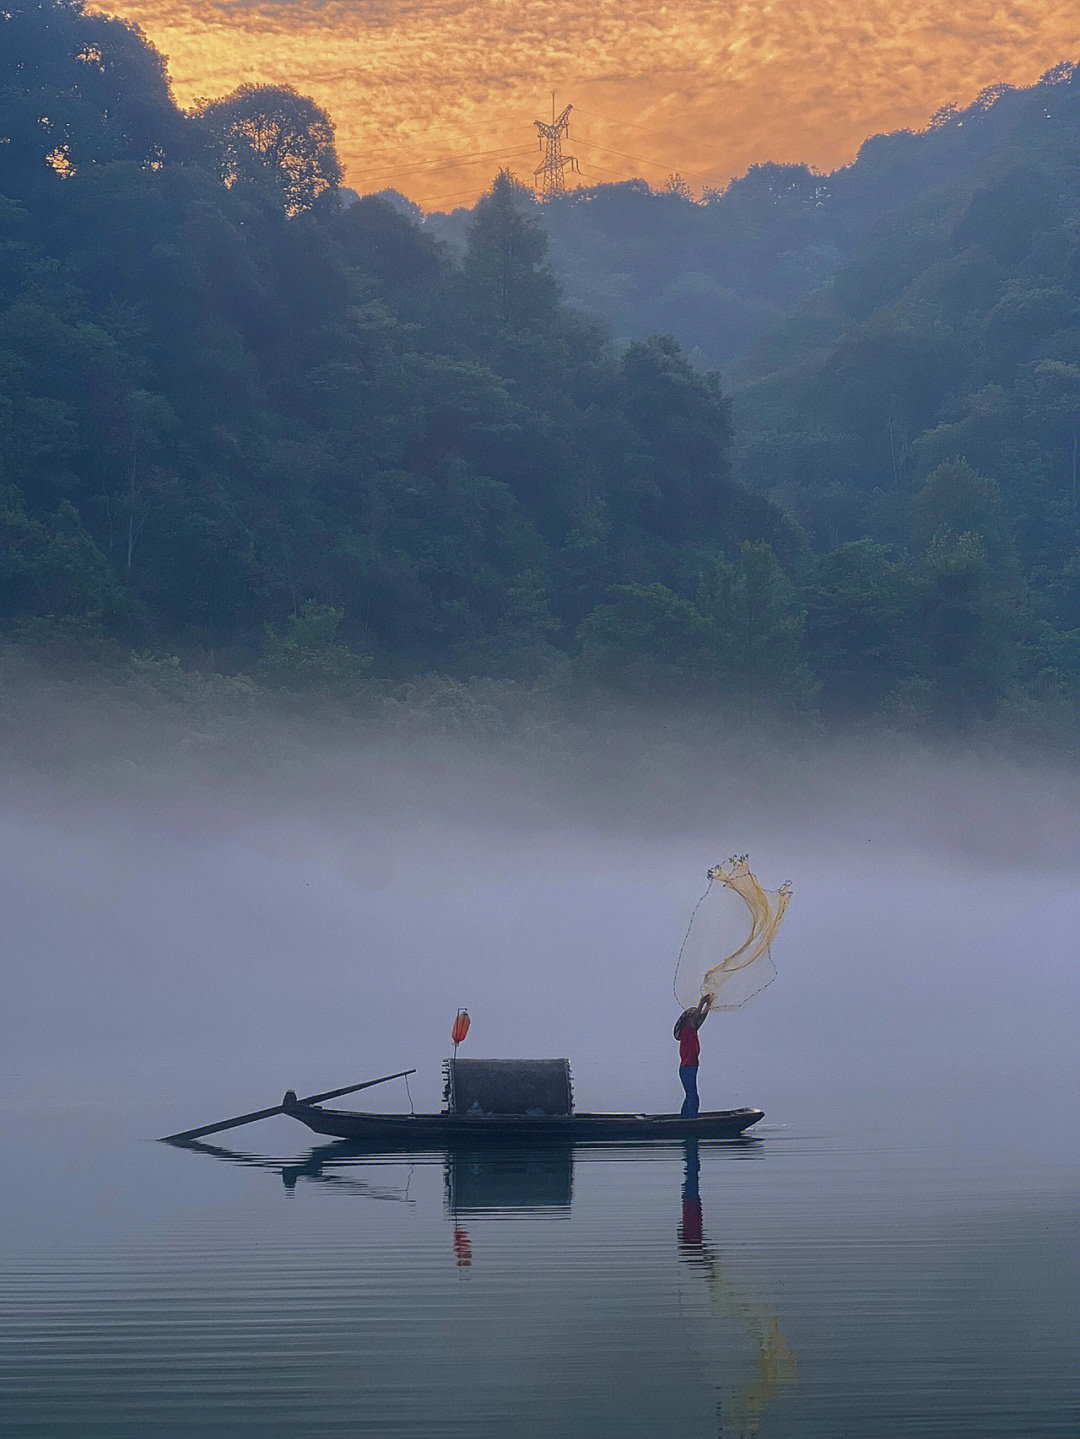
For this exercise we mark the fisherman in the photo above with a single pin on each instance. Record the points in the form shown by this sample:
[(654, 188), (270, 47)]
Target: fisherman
[(686, 1032)]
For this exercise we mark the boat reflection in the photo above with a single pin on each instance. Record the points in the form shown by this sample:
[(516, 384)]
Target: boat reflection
[(520, 1181), (319, 1166), (478, 1180), (526, 1181)]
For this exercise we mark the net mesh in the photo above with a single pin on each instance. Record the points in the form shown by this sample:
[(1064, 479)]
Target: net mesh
[(725, 953)]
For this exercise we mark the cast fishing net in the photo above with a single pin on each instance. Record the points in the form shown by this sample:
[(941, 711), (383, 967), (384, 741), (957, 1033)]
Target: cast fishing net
[(725, 953)]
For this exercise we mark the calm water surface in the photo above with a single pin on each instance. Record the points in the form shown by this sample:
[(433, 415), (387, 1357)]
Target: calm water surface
[(806, 1282), (896, 1253)]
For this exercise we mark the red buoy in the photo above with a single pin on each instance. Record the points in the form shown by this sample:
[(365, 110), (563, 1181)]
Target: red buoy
[(461, 1026), (462, 1248)]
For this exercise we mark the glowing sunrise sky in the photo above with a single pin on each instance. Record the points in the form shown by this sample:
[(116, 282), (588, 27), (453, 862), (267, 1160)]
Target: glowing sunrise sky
[(432, 96)]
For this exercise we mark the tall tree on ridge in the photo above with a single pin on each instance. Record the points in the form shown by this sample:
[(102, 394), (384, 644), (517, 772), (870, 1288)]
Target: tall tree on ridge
[(269, 133)]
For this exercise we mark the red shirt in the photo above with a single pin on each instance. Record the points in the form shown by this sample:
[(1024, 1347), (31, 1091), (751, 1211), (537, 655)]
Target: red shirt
[(691, 1221), (689, 1046)]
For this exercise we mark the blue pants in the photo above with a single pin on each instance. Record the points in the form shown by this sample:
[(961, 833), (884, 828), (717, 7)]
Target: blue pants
[(688, 1075)]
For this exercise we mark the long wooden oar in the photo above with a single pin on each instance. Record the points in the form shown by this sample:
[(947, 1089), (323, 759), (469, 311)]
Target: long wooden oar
[(277, 1109)]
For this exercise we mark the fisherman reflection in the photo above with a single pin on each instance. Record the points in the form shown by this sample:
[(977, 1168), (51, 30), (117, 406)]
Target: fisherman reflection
[(691, 1237), (774, 1365)]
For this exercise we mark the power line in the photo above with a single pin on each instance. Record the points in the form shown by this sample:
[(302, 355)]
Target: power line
[(450, 164), (442, 199), (458, 194), (637, 159), (593, 169)]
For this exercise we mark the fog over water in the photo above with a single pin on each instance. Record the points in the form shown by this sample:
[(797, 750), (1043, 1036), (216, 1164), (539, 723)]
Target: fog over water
[(196, 920), (187, 936)]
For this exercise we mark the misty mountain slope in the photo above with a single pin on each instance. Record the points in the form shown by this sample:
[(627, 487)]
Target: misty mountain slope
[(951, 333), (718, 275), (929, 398), (924, 399)]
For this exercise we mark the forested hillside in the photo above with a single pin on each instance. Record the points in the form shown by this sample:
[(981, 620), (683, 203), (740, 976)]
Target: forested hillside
[(720, 271), (901, 340), (308, 445), (929, 396), (231, 403)]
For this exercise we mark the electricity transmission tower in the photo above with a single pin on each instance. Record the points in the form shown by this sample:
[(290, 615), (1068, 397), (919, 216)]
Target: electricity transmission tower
[(553, 168)]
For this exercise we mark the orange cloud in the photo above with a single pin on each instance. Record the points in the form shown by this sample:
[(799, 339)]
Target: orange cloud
[(432, 96)]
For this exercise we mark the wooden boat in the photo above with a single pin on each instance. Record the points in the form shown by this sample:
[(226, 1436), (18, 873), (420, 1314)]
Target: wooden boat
[(403, 1130), (509, 1101)]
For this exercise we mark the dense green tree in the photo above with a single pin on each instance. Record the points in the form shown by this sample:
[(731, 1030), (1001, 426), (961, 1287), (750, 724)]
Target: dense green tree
[(757, 620), (958, 500), (307, 655), (862, 627), (676, 438), (504, 261), (51, 567), (1053, 405), (643, 639), (269, 135), (1064, 595), (80, 90), (1019, 327), (1004, 216), (968, 632)]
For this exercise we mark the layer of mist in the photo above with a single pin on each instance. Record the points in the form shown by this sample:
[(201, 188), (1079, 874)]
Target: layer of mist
[(193, 930)]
